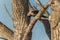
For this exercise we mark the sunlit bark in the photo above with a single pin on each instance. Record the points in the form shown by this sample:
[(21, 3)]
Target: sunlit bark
[(20, 9), (55, 20), (22, 24)]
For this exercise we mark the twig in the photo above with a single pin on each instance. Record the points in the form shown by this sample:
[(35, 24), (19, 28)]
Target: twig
[(33, 21), (39, 3), (31, 8)]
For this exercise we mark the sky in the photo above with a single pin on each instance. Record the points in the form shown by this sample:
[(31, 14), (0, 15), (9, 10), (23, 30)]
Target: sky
[(38, 30)]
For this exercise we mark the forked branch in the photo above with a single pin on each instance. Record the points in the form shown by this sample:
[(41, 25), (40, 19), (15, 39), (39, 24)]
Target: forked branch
[(38, 15), (33, 21), (31, 8), (40, 4), (35, 11)]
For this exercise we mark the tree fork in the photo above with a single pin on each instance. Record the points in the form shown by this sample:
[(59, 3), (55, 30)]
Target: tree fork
[(21, 21)]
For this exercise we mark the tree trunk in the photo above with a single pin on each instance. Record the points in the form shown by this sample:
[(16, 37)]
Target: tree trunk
[(20, 9), (55, 21)]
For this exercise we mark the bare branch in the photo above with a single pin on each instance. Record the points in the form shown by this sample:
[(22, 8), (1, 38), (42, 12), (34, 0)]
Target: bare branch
[(31, 9), (42, 18), (30, 13), (39, 3), (33, 21), (6, 32), (38, 15), (33, 13), (35, 9)]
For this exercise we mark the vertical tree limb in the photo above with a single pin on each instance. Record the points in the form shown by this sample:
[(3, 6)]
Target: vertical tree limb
[(55, 21)]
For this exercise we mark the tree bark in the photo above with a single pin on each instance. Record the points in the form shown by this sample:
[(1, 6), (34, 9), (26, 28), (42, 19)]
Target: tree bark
[(6, 32), (22, 24), (55, 21), (21, 21)]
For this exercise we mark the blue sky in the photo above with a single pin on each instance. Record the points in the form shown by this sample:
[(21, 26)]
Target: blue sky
[(38, 30)]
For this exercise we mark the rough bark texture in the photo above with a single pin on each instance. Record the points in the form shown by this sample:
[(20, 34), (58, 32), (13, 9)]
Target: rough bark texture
[(20, 9), (6, 32), (23, 26), (55, 21), (22, 23)]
